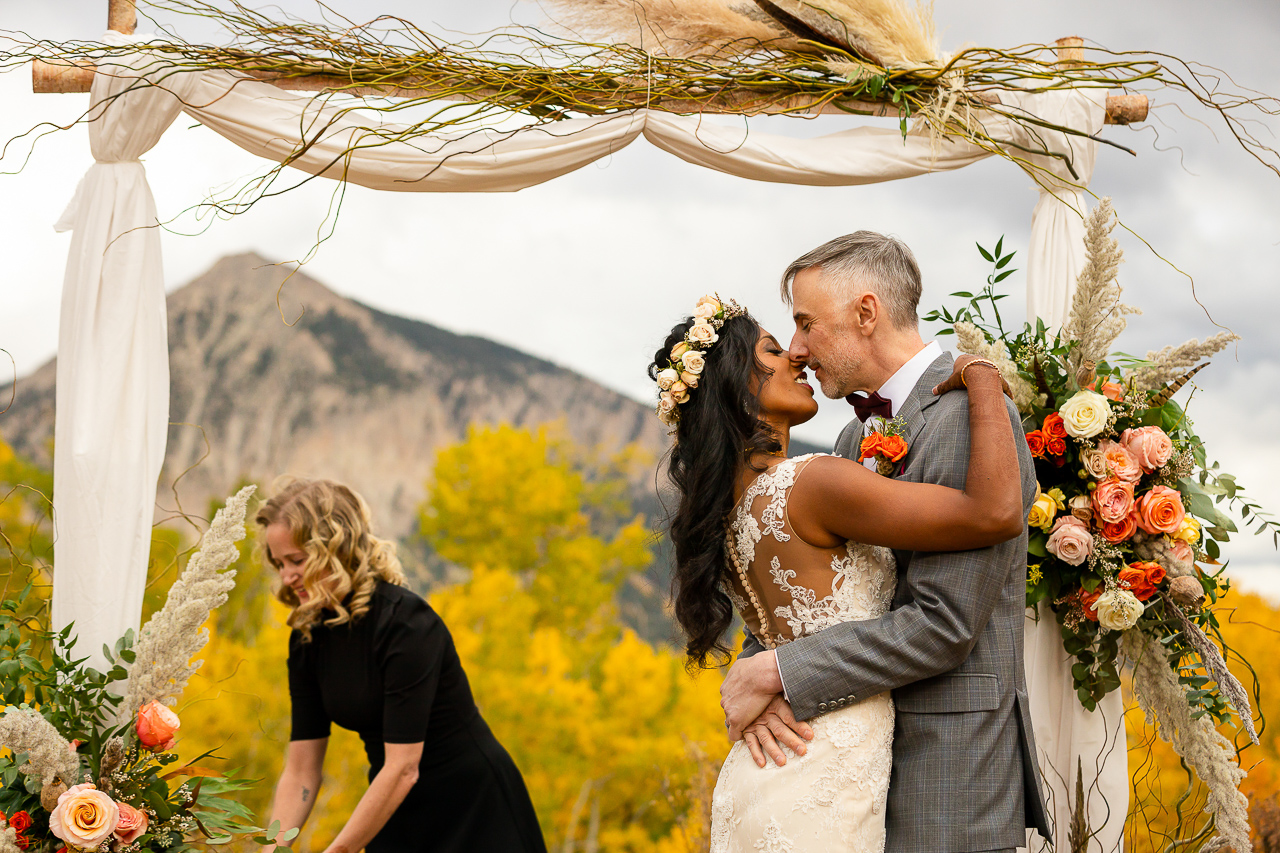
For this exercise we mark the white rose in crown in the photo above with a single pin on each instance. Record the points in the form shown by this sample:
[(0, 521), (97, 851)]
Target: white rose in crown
[(689, 379), (1086, 414), (680, 391), (708, 300), (703, 335), (694, 362), (1118, 609), (667, 378), (666, 403), (705, 311)]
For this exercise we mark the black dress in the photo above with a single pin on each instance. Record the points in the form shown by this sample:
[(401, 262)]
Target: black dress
[(394, 677)]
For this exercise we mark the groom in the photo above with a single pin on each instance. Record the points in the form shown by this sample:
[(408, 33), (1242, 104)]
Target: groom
[(965, 776)]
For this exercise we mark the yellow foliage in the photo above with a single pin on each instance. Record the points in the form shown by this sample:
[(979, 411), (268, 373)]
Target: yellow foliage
[(1159, 780)]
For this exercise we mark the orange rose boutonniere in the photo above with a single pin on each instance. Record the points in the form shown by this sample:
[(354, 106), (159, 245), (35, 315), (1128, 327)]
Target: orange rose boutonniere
[(886, 445)]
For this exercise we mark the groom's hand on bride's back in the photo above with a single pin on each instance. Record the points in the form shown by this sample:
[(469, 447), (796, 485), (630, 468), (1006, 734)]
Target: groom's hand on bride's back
[(773, 729)]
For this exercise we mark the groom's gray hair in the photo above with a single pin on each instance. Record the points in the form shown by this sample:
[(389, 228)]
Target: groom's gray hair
[(864, 259)]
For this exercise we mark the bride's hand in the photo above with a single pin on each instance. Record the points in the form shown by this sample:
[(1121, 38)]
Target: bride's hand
[(777, 723), (956, 381)]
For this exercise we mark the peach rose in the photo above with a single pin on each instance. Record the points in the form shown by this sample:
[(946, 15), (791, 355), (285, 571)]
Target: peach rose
[(1182, 552), (1161, 511), (1110, 390), (689, 379), (1035, 441), (1070, 540), (1118, 531), (133, 823), (84, 817), (1150, 445), (1113, 500), (156, 727), (694, 362), (679, 350), (706, 310), (680, 391), (1120, 462), (667, 378)]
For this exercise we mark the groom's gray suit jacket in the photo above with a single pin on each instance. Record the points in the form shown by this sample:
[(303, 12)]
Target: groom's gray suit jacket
[(965, 776)]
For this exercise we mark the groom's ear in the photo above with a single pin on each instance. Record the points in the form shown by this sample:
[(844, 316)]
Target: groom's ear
[(867, 313)]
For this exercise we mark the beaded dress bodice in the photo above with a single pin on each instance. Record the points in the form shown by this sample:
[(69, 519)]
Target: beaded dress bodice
[(793, 589)]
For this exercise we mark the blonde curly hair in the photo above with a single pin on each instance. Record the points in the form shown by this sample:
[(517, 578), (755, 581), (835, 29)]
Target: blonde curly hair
[(332, 525)]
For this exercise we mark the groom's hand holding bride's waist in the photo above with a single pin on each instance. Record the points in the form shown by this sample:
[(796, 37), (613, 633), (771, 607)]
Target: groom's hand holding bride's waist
[(756, 711)]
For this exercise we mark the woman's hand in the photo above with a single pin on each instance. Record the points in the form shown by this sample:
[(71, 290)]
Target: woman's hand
[(957, 378)]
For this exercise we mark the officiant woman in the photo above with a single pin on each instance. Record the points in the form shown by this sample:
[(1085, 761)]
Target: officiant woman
[(368, 654)]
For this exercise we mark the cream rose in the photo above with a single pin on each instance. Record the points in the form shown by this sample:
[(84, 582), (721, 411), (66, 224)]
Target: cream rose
[(1042, 512), (1071, 542), (689, 379), (1085, 415), (667, 378), (703, 334), (679, 350), (84, 817), (709, 300), (1095, 463), (694, 362), (1118, 609), (705, 311), (1150, 445), (133, 823), (1081, 508)]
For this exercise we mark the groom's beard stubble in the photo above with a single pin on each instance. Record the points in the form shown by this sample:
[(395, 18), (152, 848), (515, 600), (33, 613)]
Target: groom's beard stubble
[(839, 374)]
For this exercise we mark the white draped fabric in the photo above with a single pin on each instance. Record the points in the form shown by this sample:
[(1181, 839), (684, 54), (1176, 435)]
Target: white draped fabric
[(113, 371), (113, 375)]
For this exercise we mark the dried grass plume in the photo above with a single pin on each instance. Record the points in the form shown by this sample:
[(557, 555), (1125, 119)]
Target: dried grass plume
[(1171, 362), (970, 339), (1097, 315), (175, 634), (49, 754)]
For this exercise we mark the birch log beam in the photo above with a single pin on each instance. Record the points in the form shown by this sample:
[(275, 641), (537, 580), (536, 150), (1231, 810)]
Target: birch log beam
[(72, 77)]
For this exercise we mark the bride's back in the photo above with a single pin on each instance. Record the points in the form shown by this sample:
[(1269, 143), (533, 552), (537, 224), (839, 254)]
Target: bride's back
[(785, 587)]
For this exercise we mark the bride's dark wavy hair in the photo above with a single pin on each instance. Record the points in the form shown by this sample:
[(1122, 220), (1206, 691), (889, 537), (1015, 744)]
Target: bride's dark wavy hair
[(718, 432)]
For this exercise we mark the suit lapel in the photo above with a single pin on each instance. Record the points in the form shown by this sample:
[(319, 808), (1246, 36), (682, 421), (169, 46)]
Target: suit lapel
[(922, 397)]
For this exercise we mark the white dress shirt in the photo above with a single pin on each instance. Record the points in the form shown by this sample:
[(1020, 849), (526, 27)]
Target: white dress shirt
[(898, 387)]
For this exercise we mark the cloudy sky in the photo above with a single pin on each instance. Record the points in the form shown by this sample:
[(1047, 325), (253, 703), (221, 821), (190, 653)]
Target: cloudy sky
[(589, 270)]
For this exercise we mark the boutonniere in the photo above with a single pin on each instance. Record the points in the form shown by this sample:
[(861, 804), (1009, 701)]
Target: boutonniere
[(886, 445)]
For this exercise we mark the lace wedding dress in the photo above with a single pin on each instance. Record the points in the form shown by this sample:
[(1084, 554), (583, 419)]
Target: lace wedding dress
[(833, 797)]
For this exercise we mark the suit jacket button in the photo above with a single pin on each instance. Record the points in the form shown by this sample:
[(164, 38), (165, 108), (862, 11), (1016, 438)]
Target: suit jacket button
[(852, 699), (822, 706)]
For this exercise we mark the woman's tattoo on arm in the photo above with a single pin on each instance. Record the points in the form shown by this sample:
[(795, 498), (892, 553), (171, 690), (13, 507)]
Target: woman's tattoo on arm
[(306, 792)]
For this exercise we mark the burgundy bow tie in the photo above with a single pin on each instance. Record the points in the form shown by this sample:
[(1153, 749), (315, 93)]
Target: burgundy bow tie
[(872, 404)]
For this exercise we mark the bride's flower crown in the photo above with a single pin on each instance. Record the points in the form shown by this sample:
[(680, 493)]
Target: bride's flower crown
[(688, 357)]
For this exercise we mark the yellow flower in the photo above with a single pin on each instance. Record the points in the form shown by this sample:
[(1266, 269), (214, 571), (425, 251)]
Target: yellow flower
[(1058, 498), (1034, 575), (1043, 511), (1189, 532)]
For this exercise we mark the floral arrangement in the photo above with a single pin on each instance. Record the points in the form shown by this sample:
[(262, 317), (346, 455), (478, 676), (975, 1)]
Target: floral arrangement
[(1125, 531), (688, 358), (90, 766)]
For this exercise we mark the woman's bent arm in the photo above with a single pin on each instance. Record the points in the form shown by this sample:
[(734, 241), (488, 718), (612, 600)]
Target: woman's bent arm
[(298, 785), (839, 499), (386, 792)]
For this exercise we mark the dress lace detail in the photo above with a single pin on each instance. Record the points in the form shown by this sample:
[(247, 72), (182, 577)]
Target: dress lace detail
[(833, 797)]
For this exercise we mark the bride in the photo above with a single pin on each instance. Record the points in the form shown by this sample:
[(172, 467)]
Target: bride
[(797, 545)]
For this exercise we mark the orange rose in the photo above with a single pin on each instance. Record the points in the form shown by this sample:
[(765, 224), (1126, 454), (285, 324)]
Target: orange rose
[(20, 822), (893, 447), (1036, 440), (1119, 531), (156, 727), (1155, 572), (1089, 601), (1113, 500), (1110, 390), (1134, 578), (1161, 511), (1056, 446), (871, 445), (1053, 426)]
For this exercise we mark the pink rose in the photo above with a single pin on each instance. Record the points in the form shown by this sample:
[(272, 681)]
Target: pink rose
[(1070, 540), (1182, 552), (1118, 531), (1120, 461), (1161, 511), (1150, 445), (1112, 500), (133, 823), (84, 817), (156, 726)]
